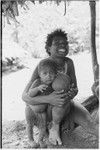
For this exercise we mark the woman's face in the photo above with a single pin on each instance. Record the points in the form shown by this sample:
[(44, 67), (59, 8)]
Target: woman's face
[(59, 47)]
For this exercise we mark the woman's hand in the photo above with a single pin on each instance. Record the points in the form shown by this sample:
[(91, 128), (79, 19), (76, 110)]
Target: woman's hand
[(71, 93), (57, 98)]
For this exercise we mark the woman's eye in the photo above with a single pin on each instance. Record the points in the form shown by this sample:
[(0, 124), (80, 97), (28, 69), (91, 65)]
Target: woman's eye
[(55, 42)]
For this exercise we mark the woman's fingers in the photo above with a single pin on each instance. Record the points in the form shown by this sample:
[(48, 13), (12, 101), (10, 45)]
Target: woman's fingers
[(61, 102), (58, 99), (60, 94)]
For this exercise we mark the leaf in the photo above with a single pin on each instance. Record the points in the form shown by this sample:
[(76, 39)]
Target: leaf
[(33, 1), (5, 5), (15, 8), (21, 2)]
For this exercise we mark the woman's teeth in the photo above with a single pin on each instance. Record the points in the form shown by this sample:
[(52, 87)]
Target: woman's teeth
[(61, 50)]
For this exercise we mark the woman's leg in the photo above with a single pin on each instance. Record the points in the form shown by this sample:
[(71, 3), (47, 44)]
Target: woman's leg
[(83, 118)]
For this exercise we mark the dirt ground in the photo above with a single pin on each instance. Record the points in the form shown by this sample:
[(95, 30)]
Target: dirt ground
[(14, 136)]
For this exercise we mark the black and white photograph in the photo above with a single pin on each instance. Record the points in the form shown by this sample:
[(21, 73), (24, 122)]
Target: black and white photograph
[(49, 74)]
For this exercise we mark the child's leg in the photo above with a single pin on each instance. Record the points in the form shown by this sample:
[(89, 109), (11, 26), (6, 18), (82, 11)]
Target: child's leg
[(57, 116), (31, 119), (42, 128), (40, 117), (83, 118), (39, 108)]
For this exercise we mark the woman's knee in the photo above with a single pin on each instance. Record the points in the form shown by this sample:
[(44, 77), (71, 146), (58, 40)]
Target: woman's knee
[(81, 111), (81, 115)]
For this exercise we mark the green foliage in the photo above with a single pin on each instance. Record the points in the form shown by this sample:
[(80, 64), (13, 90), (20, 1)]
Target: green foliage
[(11, 64)]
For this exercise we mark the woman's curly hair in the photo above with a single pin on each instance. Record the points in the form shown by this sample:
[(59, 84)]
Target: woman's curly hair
[(50, 37)]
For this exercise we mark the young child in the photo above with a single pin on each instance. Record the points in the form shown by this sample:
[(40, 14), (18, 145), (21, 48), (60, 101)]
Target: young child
[(47, 70), (47, 82), (57, 48)]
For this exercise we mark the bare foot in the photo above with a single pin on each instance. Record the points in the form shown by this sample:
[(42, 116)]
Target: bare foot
[(42, 144), (49, 144), (42, 135), (33, 144), (54, 135)]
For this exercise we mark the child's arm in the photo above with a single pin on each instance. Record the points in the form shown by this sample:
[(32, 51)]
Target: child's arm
[(36, 88), (33, 91)]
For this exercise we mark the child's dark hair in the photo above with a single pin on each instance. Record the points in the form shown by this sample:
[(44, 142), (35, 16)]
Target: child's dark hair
[(50, 37), (47, 63)]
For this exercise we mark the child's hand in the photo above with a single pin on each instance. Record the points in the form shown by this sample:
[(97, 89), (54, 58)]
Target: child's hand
[(42, 87)]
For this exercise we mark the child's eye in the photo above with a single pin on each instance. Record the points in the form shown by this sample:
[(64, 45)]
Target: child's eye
[(45, 73), (56, 42)]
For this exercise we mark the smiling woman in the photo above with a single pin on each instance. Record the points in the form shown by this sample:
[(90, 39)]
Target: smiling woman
[(60, 104), (57, 50)]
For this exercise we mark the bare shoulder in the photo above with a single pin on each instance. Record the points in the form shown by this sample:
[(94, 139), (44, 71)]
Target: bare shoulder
[(44, 59), (69, 61)]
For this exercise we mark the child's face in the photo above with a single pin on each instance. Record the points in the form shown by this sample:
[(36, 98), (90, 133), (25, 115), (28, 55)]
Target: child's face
[(47, 75), (59, 47)]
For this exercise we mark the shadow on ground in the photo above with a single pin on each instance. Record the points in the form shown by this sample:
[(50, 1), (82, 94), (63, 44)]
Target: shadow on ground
[(14, 136)]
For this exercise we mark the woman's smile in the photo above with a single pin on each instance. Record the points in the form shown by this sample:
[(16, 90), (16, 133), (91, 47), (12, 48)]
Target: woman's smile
[(62, 50)]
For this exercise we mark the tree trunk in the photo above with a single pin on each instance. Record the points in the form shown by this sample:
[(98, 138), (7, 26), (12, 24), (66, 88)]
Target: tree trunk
[(93, 43)]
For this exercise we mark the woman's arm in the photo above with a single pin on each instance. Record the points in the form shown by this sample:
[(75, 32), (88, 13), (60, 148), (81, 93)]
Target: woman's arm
[(56, 99), (71, 73), (73, 88), (53, 98), (25, 96), (33, 78)]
